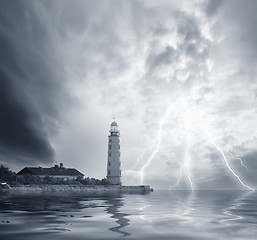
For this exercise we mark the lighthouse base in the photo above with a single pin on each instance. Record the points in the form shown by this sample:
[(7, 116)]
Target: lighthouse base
[(114, 180)]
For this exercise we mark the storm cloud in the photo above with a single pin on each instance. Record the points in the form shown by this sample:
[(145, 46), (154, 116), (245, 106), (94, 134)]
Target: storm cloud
[(31, 87)]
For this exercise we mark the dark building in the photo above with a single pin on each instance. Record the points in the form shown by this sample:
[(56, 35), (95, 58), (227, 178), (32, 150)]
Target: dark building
[(57, 172)]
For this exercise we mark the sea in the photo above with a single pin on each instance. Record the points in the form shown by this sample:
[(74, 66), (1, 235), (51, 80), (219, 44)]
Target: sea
[(156, 215)]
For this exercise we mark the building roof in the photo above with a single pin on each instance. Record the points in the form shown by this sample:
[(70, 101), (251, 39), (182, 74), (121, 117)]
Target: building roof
[(114, 123), (53, 171)]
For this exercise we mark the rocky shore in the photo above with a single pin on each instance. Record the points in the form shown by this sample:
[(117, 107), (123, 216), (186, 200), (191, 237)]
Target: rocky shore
[(80, 189)]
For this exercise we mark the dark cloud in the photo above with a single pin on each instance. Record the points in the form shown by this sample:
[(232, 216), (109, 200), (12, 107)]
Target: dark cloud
[(188, 28), (31, 92), (194, 44), (20, 125), (213, 6), (243, 35), (178, 64), (165, 57)]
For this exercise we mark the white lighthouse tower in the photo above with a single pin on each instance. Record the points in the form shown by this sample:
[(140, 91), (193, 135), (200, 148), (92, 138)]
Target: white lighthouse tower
[(113, 163)]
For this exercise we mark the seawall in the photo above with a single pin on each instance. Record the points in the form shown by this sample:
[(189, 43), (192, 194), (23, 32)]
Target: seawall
[(80, 189)]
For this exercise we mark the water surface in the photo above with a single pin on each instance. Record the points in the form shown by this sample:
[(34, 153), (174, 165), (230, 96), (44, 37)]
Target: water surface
[(157, 215)]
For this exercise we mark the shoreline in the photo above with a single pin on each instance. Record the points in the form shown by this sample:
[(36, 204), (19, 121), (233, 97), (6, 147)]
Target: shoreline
[(78, 189)]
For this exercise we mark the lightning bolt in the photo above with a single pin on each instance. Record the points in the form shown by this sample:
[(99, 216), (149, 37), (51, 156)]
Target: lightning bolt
[(186, 165), (142, 154), (157, 145), (232, 156), (188, 158), (191, 120), (226, 162)]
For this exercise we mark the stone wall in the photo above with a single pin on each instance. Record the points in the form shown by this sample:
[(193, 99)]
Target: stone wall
[(81, 188)]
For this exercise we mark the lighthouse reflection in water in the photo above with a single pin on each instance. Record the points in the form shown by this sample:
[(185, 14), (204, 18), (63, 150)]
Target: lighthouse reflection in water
[(157, 215)]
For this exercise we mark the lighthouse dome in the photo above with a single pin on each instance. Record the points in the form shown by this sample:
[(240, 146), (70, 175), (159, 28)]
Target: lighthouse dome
[(114, 123)]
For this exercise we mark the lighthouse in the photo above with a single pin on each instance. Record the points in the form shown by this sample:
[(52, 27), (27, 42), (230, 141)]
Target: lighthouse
[(113, 160)]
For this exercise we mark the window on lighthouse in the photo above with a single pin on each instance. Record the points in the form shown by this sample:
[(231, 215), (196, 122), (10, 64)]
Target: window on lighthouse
[(110, 154)]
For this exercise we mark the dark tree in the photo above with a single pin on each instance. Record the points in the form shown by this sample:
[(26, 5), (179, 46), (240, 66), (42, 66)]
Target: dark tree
[(7, 175)]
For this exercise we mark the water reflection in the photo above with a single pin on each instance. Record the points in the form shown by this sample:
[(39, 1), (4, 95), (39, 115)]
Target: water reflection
[(233, 211), (242, 209), (159, 215), (186, 209), (114, 209), (37, 202)]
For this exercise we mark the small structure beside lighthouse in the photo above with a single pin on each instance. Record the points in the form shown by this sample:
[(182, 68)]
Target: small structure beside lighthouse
[(113, 160)]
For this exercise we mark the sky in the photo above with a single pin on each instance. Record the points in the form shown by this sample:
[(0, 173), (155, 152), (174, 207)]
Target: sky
[(178, 76)]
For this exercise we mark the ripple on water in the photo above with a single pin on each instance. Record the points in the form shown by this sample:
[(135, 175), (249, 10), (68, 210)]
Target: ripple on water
[(158, 215)]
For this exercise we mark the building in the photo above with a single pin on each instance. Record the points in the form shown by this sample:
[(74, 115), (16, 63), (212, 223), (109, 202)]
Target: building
[(113, 160), (56, 172)]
